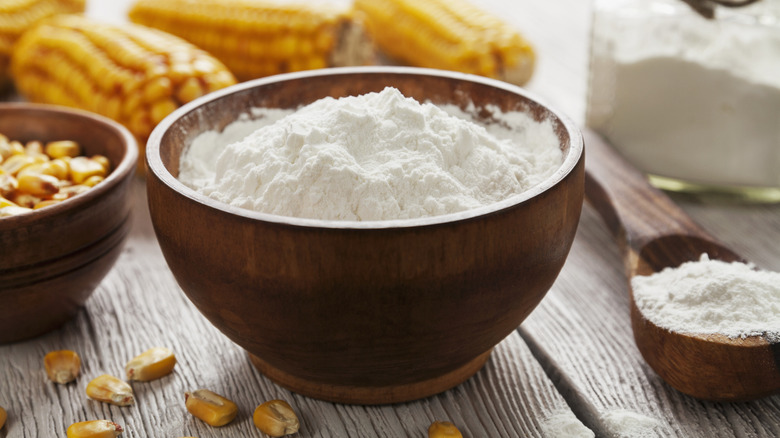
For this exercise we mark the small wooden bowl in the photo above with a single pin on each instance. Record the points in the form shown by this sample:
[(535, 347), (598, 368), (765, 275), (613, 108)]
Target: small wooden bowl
[(53, 258), (363, 312)]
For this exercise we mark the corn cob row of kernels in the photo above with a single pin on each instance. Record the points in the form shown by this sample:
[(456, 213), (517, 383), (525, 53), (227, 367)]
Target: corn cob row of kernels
[(257, 38), (16, 16), (34, 176), (130, 73), (450, 35)]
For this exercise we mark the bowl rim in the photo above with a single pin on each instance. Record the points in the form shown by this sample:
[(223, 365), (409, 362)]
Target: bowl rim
[(158, 169), (121, 170)]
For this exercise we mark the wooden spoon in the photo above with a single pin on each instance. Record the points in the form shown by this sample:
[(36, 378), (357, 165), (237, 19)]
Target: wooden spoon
[(654, 233)]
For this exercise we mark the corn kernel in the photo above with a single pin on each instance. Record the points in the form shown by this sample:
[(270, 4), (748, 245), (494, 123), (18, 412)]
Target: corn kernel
[(33, 148), (82, 168), (13, 210), (62, 148), (6, 203), (443, 429), (39, 185), (8, 184), (210, 407), (151, 364), (46, 203), (25, 199), (103, 160), (62, 366), (94, 429), (3, 417), (109, 389), (276, 418), (93, 180)]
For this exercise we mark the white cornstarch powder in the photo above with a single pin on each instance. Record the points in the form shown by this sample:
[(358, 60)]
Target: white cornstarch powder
[(711, 296), (377, 156)]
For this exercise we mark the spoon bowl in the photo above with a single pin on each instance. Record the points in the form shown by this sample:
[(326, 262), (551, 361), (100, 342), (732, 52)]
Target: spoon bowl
[(654, 234)]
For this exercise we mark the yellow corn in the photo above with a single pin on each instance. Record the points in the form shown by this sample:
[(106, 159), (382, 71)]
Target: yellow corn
[(443, 429), (39, 185), (46, 203), (63, 148), (8, 184), (81, 168), (276, 418), (3, 417), (16, 16), (210, 407), (109, 389), (62, 366), (151, 364), (6, 203), (94, 429), (450, 35), (24, 199), (13, 210), (127, 72), (257, 38), (17, 162)]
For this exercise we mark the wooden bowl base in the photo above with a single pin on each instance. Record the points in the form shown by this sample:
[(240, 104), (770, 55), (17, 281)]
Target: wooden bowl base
[(372, 395)]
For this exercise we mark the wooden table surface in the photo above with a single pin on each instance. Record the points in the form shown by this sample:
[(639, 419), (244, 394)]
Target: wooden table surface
[(573, 362)]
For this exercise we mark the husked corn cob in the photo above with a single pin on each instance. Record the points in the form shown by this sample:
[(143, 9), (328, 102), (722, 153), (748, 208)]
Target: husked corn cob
[(16, 16), (450, 35), (62, 366), (443, 429), (276, 418), (210, 407), (257, 38), (130, 73), (94, 429), (151, 364), (109, 389)]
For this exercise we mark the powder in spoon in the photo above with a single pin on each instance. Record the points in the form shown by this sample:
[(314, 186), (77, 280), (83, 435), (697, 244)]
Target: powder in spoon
[(712, 297)]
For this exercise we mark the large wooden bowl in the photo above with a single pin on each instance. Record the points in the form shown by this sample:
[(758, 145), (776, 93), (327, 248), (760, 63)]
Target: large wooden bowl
[(363, 312), (52, 259)]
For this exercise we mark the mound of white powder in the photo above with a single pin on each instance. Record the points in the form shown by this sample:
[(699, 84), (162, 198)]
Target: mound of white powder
[(377, 156), (712, 296)]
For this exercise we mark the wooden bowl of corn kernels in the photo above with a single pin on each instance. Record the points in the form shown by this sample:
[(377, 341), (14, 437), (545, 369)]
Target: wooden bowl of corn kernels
[(54, 257), (364, 312)]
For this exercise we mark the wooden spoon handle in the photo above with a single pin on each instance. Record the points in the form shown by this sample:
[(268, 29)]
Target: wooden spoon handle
[(635, 212)]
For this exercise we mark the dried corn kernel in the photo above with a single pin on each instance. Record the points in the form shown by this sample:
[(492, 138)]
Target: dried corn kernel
[(8, 184), (93, 180), (210, 407), (13, 210), (151, 364), (36, 184), (111, 390), (62, 366), (3, 417), (443, 429), (46, 203), (82, 168), (63, 148), (94, 429), (276, 418)]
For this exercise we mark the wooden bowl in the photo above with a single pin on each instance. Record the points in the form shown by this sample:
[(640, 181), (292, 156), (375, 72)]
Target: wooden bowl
[(363, 312), (53, 258)]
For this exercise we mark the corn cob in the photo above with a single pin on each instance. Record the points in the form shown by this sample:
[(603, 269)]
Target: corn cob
[(130, 73), (450, 35), (257, 38), (16, 16)]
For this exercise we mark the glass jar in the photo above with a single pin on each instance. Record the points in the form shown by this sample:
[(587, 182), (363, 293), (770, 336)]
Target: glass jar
[(692, 101)]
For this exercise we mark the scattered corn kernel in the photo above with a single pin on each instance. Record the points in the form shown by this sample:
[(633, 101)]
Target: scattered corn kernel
[(109, 389), (151, 364), (210, 407), (3, 417), (62, 366), (276, 418), (63, 148), (94, 429), (443, 429)]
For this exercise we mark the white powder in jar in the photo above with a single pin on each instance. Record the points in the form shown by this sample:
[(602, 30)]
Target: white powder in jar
[(688, 98), (377, 156), (712, 297)]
